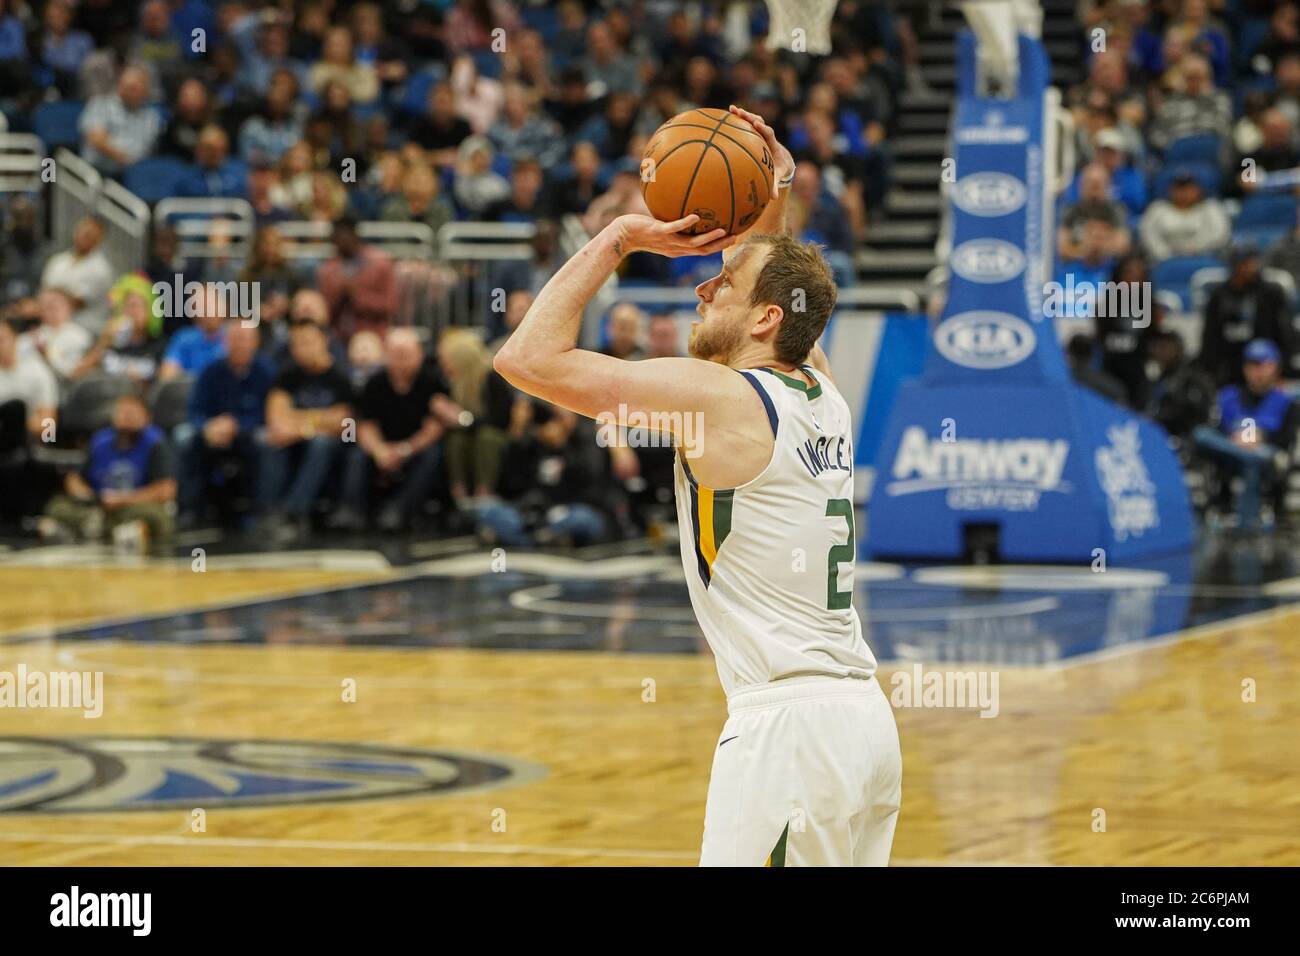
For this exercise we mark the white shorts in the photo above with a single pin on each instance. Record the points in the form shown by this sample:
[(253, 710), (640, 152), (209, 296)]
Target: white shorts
[(807, 772)]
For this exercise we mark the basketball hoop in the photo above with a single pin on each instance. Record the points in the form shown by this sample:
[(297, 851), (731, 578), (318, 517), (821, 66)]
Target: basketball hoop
[(803, 26)]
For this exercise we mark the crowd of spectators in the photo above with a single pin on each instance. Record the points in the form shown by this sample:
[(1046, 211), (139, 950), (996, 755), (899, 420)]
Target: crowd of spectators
[(1187, 139), (337, 410)]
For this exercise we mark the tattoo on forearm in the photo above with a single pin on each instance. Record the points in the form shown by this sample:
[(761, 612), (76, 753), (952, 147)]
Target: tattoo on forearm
[(618, 248)]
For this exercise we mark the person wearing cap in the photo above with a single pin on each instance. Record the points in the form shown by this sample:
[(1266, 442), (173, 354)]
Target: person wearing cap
[(1127, 184), (1255, 432), (1185, 224), (477, 185), (1244, 307)]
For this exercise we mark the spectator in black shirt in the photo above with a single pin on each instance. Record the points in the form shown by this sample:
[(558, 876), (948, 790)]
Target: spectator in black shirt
[(1079, 354), (1183, 393), (571, 107), (192, 114), (307, 411), (440, 132), (1123, 324), (1247, 306), (402, 413), (553, 484)]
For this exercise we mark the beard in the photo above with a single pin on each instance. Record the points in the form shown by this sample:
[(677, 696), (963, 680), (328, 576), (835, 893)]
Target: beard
[(714, 343)]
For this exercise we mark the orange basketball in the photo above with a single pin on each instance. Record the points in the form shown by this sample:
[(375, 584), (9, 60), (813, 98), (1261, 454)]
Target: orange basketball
[(710, 163)]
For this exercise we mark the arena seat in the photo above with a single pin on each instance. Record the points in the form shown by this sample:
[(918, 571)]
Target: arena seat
[(156, 178), (1175, 275), (56, 123)]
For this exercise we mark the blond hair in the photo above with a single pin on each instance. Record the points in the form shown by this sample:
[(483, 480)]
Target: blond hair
[(470, 362), (797, 277)]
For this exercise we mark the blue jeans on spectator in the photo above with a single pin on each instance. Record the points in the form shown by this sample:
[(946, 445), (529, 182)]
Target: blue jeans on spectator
[(411, 483), (1250, 463), (582, 524), (309, 461), (197, 464)]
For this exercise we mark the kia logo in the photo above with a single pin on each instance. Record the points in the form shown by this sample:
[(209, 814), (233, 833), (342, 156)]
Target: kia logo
[(984, 340), (989, 194), (987, 260)]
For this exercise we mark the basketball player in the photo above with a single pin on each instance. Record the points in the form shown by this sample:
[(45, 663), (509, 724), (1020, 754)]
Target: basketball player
[(807, 769)]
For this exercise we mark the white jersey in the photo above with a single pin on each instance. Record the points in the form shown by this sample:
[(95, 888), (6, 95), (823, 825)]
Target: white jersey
[(769, 564)]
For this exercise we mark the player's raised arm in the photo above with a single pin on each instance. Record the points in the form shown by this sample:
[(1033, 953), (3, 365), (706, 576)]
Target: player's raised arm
[(542, 357)]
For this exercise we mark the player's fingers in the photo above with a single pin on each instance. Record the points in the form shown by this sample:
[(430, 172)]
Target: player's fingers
[(707, 238), (678, 225), (753, 119)]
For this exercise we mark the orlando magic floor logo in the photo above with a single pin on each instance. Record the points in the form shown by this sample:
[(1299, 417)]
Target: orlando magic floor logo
[(92, 774)]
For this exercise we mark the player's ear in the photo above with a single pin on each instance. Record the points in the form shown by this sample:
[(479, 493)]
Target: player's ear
[(768, 319)]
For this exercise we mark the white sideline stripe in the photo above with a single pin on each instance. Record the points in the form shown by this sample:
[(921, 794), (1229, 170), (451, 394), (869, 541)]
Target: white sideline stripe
[(375, 846), (1208, 629), (1287, 588), (358, 846)]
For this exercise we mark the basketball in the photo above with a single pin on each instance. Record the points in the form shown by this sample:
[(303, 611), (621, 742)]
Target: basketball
[(710, 163)]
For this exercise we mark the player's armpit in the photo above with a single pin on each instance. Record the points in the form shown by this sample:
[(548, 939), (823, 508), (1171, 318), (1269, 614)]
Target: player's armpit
[(715, 414)]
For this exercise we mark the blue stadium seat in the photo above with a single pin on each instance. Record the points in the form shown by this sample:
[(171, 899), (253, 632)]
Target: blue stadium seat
[(1265, 219), (544, 19), (157, 177), (1262, 237), (56, 123), (415, 95), (1197, 148), (488, 63), (1206, 174), (1175, 275), (1267, 210)]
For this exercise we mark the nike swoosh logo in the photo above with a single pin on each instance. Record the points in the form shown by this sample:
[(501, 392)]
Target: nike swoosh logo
[(728, 740)]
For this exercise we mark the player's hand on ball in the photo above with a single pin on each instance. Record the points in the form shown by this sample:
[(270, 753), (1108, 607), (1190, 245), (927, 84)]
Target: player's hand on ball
[(636, 233), (781, 158)]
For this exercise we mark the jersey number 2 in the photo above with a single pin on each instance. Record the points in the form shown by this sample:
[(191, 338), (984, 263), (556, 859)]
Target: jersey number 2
[(837, 600)]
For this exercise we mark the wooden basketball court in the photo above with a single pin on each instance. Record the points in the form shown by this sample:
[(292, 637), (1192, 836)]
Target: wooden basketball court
[(1143, 753)]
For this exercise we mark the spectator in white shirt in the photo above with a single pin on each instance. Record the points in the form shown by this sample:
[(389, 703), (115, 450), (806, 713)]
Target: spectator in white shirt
[(26, 383), (122, 127), (1186, 224), (84, 273), (61, 342)]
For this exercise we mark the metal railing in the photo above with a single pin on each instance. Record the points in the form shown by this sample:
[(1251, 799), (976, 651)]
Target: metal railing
[(21, 155), (476, 252), (79, 191), (209, 228), (870, 299)]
